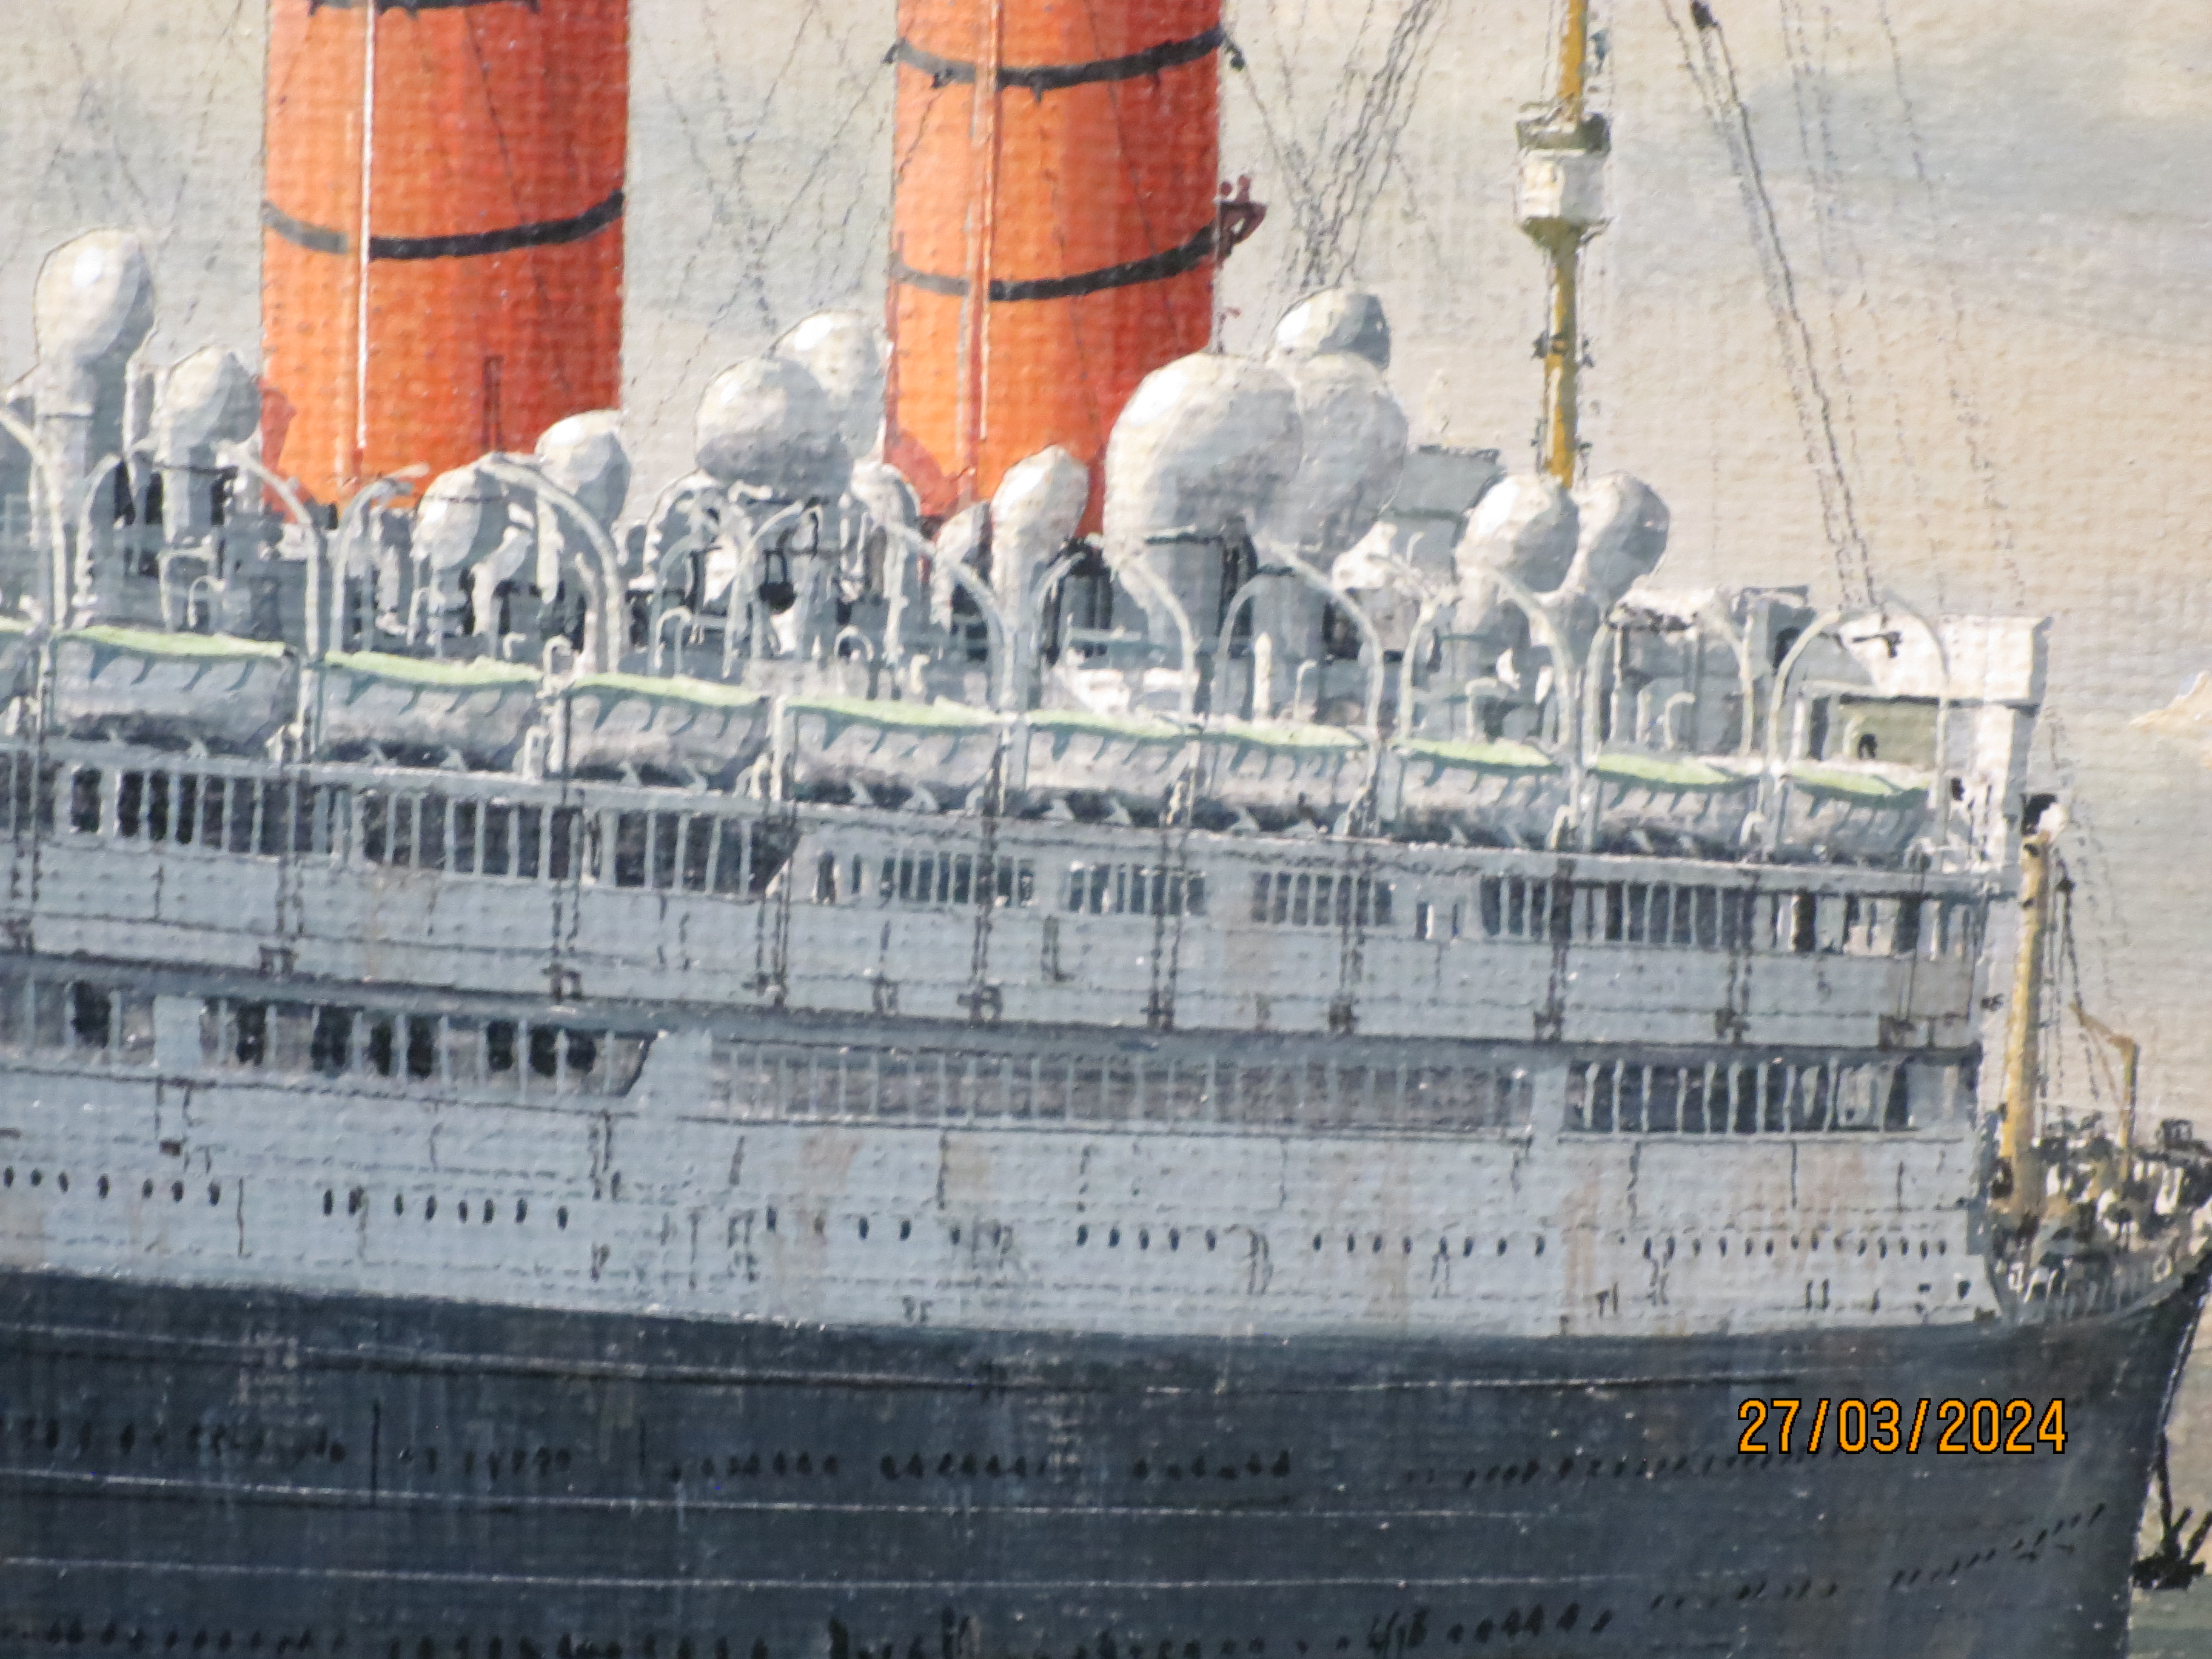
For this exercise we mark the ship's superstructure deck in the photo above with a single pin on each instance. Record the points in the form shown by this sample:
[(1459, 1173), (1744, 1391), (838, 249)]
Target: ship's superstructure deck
[(586, 1044)]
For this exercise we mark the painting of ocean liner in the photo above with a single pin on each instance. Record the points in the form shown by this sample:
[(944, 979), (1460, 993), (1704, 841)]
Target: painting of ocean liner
[(1067, 996)]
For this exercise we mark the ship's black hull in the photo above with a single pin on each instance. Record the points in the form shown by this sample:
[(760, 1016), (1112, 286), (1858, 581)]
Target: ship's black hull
[(193, 1470)]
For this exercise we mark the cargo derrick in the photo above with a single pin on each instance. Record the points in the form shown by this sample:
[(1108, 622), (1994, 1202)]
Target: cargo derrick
[(442, 246), (1078, 201)]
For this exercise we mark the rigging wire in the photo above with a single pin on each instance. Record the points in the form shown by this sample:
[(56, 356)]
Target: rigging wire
[(211, 83), (867, 251), (513, 196), (1834, 201), (1155, 293), (102, 116), (1362, 157), (1334, 180), (1711, 68), (742, 228), (1832, 233), (1960, 383), (1300, 177), (2100, 1061), (1958, 365)]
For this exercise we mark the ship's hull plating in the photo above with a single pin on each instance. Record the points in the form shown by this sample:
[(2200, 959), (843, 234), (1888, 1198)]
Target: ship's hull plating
[(210, 1470)]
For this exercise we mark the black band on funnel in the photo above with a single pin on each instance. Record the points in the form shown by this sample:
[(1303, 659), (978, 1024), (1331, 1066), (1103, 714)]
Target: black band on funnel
[(1151, 268), (1053, 77), (546, 233)]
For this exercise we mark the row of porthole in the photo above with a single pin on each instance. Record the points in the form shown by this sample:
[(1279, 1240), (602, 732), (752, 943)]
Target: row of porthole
[(1800, 1591), (1405, 1244), (1643, 1468), (220, 1437), (2022, 1548), (990, 1464), (551, 1459), (1531, 1623), (1222, 1468), (487, 1209), (780, 1463), (1797, 1242), (355, 1200), (1144, 1237), (998, 1230), (104, 1186), (214, 1439)]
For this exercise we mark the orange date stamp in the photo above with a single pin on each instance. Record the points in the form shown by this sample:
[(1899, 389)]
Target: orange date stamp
[(1965, 1426)]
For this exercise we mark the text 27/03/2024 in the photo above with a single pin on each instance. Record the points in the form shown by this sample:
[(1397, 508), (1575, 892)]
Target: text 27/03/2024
[(1881, 1425)]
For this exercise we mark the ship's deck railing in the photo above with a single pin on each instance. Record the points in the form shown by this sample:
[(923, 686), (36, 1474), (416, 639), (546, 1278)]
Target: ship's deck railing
[(478, 827), (1767, 1095), (772, 1081), (358, 1042), (89, 1016)]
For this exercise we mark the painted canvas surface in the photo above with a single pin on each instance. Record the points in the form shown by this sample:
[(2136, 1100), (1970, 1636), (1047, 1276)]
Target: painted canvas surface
[(1038, 829)]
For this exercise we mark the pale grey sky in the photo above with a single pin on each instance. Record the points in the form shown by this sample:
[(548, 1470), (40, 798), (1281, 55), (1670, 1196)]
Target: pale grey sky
[(2018, 345)]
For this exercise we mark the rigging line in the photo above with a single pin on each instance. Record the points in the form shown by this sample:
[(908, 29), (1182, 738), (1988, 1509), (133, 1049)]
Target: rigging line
[(1402, 61), (426, 70), (1384, 111), (830, 277), (1293, 45), (1770, 270), (1301, 172), (1816, 413), (740, 152), (1957, 366), (721, 313), (2100, 1060), (1406, 94), (1807, 95), (741, 231), (1426, 221), (820, 161), (2102, 898), (1324, 262), (741, 156), (1959, 378), (921, 131), (1347, 81), (1834, 208), (1855, 537), (1708, 100), (1276, 35), (1291, 160), (216, 254), (1099, 421), (740, 148), (211, 83), (1291, 174), (1705, 75), (99, 107), (857, 76), (1157, 296), (1908, 446), (514, 195), (37, 190)]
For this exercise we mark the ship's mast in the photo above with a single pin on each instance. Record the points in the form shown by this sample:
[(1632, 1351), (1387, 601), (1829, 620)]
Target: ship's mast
[(2017, 1131), (1563, 149)]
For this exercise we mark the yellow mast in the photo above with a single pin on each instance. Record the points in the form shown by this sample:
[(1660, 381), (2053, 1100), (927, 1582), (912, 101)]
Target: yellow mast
[(2022, 1200), (1562, 160)]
